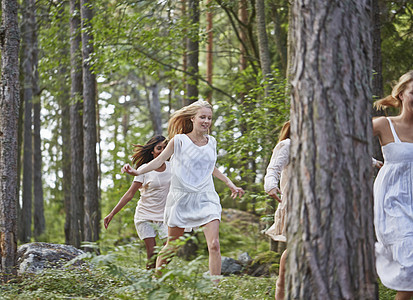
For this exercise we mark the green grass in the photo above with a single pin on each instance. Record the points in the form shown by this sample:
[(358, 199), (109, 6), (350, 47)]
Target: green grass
[(119, 272)]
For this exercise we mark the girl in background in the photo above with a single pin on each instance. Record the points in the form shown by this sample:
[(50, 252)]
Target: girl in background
[(276, 175), (154, 187)]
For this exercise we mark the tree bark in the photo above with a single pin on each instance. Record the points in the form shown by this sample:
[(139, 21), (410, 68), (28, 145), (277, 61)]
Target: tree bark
[(209, 51), (90, 172), (64, 98), (330, 221), (76, 129), (185, 53), (155, 109), (9, 112), (265, 59), (280, 36), (378, 71), (27, 69), (39, 220), (193, 53)]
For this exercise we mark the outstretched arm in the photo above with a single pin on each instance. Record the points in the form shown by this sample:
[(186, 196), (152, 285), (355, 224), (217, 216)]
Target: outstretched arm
[(236, 191), (152, 165), (122, 202)]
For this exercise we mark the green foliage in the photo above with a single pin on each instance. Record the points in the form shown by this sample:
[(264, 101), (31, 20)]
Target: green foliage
[(397, 41)]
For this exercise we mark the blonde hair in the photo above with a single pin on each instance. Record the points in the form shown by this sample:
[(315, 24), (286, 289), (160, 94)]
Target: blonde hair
[(180, 121), (394, 100), (285, 132)]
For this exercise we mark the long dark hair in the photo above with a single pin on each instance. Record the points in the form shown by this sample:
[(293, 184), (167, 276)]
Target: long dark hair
[(142, 154)]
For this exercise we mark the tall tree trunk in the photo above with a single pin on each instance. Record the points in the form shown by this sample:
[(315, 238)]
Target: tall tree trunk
[(280, 37), (243, 16), (265, 58), (155, 109), (330, 223), (90, 172), (185, 54), (76, 129), (27, 69), (209, 51), (39, 221), (193, 52), (377, 68), (247, 165), (64, 98), (9, 112)]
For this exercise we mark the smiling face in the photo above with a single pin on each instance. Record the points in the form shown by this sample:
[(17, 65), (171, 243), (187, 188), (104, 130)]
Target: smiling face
[(407, 97), (159, 147), (202, 120)]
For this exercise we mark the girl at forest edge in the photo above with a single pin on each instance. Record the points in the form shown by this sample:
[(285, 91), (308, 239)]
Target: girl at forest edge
[(154, 187), (192, 200), (276, 174), (393, 191)]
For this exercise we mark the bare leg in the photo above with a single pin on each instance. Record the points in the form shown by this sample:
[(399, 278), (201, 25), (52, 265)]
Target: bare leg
[(280, 285), (403, 295), (164, 255), (211, 232), (150, 244)]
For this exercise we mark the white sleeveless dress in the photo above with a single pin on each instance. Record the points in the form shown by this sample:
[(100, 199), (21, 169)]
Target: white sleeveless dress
[(393, 215), (192, 200)]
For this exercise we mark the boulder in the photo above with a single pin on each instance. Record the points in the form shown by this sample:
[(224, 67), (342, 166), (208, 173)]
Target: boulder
[(244, 258), (34, 257), (230, 266)]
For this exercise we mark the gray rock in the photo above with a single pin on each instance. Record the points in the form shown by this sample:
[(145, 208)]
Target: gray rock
[(230, 266), (244, 258), (34, 257)]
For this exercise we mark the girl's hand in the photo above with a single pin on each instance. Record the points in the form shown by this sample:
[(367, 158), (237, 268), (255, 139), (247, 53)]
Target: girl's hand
[(236, 191), (377, 163), (274, 194), (129, 170), (107, 220)]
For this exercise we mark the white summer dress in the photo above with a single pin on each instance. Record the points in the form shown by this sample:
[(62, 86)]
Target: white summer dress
[(192, 200), (276, 173), (393, 215)]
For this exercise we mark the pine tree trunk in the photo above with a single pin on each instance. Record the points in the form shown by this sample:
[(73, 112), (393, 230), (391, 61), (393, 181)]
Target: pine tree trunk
[(193, 53), (330, 221), (76, 129), (209, 51), (280, 37), (155, 109), (265, 58), (27, 69), (65, 130), (377, 69), (185, 54), (39, 221), (90, 173), (9, 112)]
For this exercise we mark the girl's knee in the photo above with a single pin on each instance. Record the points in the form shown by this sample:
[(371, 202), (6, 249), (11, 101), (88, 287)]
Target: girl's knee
[(214, 246)]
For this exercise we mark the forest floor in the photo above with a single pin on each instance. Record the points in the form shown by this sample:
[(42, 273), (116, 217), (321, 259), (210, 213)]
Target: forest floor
[(119, 271)]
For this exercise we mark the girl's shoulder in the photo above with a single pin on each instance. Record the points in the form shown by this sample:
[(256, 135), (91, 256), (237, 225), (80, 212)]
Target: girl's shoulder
[(284, 143)]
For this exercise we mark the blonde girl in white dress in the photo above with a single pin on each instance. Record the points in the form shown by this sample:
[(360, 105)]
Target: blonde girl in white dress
[(393, 191), (154, 187), (192, 200)]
